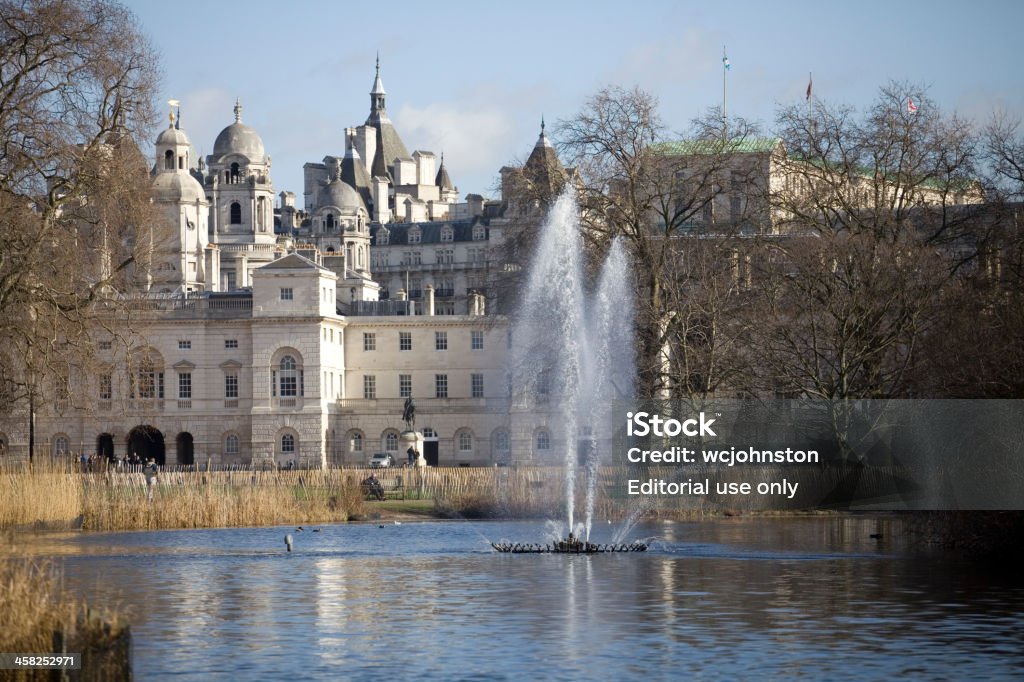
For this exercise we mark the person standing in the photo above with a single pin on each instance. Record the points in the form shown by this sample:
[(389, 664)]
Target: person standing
[(151, 471)]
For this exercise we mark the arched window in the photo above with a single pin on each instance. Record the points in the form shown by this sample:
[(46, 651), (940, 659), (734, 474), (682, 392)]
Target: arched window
[(329, 222), (543, 441), (289, 377), (465, 441), (500, 440), (356, 442), (61, 445), (287, 444), (234, 172), (231, 445), (391, 441), (169, 160), (236, 213)]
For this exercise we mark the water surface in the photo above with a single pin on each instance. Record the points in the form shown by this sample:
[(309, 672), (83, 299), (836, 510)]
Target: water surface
[(801, 597)]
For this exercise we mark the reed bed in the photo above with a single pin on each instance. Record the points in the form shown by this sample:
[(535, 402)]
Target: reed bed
[(51, 497), (193, 498), (37, 616), (43, 497)]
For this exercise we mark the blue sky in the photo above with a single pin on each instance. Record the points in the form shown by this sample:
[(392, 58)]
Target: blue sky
[(473, 79)]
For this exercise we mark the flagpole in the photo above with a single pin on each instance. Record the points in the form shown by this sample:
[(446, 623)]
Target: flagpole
[(724, 69)]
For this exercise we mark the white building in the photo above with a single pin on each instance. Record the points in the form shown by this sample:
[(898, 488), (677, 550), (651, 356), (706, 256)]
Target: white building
[(256, 347)]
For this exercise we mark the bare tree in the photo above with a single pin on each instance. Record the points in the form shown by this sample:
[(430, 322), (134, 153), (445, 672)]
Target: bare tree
[(77, 80), (879, 212), (642, 183)]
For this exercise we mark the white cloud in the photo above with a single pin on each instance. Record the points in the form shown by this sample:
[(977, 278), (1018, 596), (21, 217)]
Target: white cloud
[(475, 140)]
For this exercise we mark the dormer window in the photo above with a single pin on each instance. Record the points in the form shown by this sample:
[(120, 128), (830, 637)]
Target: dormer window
[(415, 235), (479, 233), (447, 234), (383, 234)]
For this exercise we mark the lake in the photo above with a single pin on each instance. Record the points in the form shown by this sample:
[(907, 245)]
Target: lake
[(813, 597)]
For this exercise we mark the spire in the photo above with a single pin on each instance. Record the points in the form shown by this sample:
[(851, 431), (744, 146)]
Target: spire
[(174, 103), (442, 180), (378, 86), (543, 140), (238, 111)]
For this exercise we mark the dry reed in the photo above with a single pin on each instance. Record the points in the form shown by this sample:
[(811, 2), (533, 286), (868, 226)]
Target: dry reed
[(37, 616), (47, 496)]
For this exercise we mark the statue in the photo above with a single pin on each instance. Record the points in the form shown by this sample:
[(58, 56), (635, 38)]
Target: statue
[(409, 414)]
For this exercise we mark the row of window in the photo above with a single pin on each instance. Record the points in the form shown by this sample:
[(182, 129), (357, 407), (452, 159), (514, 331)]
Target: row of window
[(183, 344), (415, 235), (405, 386), (464, 440), (476, 340)]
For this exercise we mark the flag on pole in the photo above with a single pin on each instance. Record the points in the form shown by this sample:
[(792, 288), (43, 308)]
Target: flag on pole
[(810, 84), (725, 62), (911, 107)]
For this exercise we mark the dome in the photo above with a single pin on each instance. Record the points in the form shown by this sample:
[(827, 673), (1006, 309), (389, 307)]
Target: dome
[(239, 138), (178, 188), (342, 195), (172, 136)]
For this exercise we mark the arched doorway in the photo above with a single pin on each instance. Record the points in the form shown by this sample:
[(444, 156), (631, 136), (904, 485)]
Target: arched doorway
[(146, 441), (105, 446), (186, 453)]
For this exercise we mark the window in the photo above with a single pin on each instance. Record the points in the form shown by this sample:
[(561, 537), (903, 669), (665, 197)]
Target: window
[(445, 256), (415, 235), (289, 378), (440, 385), (61, 445), (286, 294), (230, 343), (105, 345), (447, 233), (429, 432), (287, 444), (184, 345), (382, 236), (465, 441), (231, 445), (501, 440), (369, 341), (735, 207), (168, 160), (185, 385), (236, 213), (479, 233), (106, 387), (231, 386), (149, 383), (404, 385), (440, 340), (404, 340), (476, 340), (478, 385), (370, 387), (391, 441), (543, 441), (357, 442)]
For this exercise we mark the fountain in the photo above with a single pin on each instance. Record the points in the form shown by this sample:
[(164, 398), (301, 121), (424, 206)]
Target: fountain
[(575, 351)]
